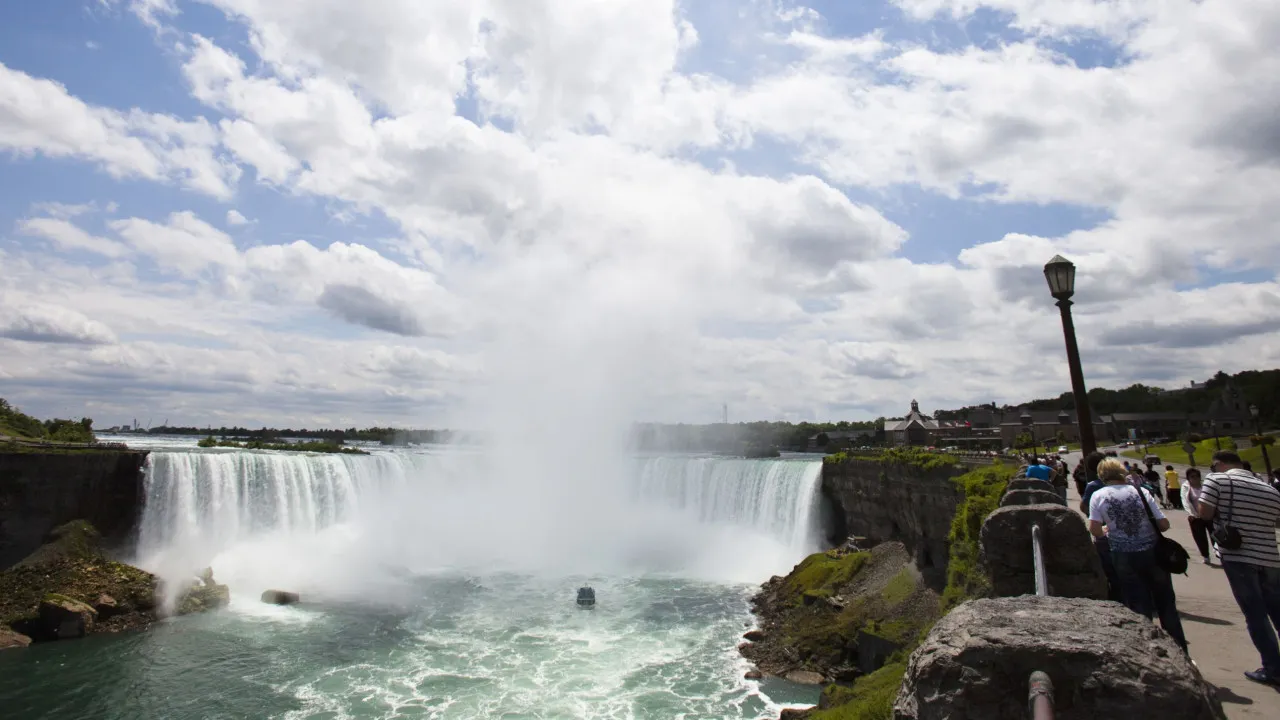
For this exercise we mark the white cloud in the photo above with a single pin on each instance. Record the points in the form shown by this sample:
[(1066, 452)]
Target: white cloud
[(593, 221), (185, 243), (69, 237), (43, 323), (40, 116)]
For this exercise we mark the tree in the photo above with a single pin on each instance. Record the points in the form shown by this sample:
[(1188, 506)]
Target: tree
[(822, 440)]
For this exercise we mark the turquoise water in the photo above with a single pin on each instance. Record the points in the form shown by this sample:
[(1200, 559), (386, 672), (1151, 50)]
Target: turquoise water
[(437, 585), (501, 647)]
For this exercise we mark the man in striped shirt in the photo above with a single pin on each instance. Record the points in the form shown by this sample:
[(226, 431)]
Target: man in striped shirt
[(1236, 497)]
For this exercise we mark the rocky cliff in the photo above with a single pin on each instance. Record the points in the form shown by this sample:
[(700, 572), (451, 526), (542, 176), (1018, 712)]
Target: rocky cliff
[(906, 502), (41, 490)]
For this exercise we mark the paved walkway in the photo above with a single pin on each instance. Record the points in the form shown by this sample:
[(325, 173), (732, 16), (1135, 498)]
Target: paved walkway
[(1214, 627)]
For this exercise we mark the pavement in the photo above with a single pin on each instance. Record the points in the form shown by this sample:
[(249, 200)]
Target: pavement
[(1215, 629)]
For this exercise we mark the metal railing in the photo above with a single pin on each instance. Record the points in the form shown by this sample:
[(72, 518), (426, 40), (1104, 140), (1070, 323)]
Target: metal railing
[(1040, 696), (1037, 555)]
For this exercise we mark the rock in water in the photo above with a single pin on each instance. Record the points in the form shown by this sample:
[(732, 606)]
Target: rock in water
[(794, 713), (753, 635), (1105, 661), (202, 598), (805, 677), (63, 618), (10, 639), (753, 674), (280, 597)]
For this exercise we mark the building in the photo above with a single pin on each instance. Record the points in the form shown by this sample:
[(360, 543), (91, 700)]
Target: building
[(842, 440), (914, 429), (1046, 428)]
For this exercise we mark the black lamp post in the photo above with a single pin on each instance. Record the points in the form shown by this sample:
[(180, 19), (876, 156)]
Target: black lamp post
[(1257, 430), (1213, 425), (1061, 274)]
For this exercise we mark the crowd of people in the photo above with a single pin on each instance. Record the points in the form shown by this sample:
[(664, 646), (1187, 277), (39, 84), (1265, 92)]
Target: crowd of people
[(1232, 514)]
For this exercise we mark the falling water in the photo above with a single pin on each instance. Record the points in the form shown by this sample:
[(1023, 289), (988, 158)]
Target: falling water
[(439, 584), (202, 505)]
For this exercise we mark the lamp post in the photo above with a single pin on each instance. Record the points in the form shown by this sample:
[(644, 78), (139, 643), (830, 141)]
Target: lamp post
[(1257, 430), (1061, 275), (1213, 425)]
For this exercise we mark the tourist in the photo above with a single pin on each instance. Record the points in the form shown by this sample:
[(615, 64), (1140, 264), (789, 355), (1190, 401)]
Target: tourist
[(1173, 486), (1100, 544), (1081, 479), (1131, 520), (1060, 481), (1153, 482), (1190, 497), (1239, 501), (1039, 470)]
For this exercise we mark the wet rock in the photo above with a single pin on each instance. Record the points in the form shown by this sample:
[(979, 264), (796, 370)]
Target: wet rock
[(845, 674), (751, 635), (805, 677), (795, 713), (64, 618), (753, 674), (1104, 660), (283, 597), (1031, 497), (203, 598), (10, 639), (106, 606), (1072, 565)]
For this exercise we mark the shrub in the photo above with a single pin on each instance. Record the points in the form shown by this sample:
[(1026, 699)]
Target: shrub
[(982, 489), (870, 698)]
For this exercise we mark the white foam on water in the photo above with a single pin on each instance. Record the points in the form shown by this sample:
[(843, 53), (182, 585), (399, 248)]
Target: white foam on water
[(674, 548)]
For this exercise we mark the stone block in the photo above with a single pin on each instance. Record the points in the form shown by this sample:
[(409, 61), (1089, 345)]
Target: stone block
[(1031, 497), (1071, 562), (1105, 661)]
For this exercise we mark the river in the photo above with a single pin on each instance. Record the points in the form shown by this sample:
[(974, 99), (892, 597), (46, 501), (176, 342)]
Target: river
[(439, 584)]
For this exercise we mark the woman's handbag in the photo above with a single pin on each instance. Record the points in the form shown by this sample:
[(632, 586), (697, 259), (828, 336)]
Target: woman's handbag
[(1225, 534), (1170, 556)]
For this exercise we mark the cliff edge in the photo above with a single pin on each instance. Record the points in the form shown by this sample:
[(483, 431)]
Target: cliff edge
[(41, 490)]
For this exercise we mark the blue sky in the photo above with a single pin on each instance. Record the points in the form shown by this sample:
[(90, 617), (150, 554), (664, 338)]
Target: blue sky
[(843, 230)]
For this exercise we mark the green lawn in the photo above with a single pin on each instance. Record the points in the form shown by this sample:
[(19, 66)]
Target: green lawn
[(1173, 453)]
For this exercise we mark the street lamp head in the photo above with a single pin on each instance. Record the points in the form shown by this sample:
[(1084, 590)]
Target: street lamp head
[(1061, 274), (1253, 410)]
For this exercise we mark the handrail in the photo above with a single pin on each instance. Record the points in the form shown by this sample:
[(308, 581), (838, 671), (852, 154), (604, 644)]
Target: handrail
[(1037, 553), (1040, 700)]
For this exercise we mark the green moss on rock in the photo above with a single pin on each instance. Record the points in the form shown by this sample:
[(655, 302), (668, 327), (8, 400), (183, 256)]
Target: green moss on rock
[(820, 575), (982, 490), (870, 698)]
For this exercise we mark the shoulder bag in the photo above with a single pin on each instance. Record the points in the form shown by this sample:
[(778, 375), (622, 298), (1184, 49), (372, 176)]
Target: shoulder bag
[(1224, 533), (1170, 556)]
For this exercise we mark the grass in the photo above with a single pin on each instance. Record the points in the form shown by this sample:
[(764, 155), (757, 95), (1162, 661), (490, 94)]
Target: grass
[(982, 489), (870, 698), (1173, 452), (923, 459), (899, 588), (821, 574)]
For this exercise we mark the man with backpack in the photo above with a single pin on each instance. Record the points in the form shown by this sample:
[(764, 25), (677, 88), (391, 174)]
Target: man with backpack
[(1244, 511)]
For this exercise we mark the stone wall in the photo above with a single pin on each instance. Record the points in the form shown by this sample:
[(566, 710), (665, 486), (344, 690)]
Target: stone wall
[(886, 501), (39, 491)]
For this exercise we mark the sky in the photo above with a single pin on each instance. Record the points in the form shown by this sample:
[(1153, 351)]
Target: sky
[(409, 212)]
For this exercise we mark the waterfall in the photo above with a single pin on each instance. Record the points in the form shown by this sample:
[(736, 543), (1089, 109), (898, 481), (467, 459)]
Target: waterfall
[(269, 515), (777, 498)]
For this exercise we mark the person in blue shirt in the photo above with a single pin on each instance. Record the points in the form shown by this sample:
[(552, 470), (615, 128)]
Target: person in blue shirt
[(1039, 470)]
